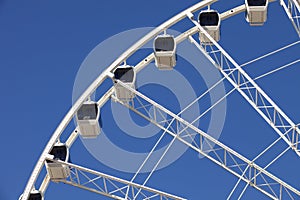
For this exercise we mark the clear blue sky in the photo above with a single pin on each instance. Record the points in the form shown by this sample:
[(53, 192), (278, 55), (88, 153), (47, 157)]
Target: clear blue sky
[(42, 45)]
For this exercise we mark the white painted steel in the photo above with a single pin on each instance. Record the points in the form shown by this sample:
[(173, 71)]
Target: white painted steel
[(108, 72), (237, 79), (219, 158), (292, 9), (109, 179), (68, 117)]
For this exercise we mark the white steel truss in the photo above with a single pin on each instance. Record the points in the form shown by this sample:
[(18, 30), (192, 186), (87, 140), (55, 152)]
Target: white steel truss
[(97, 82), (73, 136), (217, 152), (292, 9), (257, 177), (247, 87), (110, 186)]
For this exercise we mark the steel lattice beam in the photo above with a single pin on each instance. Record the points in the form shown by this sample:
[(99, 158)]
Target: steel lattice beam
[(219, 153), (292, 9), (110, 186), (247, 87), (103, 76), (98, 81)]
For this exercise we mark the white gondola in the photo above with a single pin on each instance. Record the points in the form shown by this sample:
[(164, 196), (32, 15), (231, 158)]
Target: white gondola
[(88, 120), (127, 75), (256, 12), (57, 171), (165, 52), (34, 195), (210, 21)]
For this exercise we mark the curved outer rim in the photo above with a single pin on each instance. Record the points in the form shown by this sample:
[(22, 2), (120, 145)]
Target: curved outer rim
[(107, 73)]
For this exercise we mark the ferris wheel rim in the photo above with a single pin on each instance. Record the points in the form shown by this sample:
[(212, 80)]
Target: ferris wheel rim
[(107, 74), (68, 117)]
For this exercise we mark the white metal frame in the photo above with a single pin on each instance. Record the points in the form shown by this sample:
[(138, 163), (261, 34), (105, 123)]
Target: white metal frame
[(292, 9), (219, 153), (59, 130), (247, 87), (110, 186), (254, 171)]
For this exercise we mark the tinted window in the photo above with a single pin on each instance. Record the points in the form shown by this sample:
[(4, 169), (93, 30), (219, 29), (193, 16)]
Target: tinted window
[(257, 2), (59, 152), (164, 44), (209, 19), (36, 196), (87, 112), (124, 74)]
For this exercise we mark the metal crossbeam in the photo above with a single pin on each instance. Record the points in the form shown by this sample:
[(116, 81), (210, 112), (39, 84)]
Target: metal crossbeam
[(110, 186), (124, 56), (43, 187), (98, 81), (292, 9), (247, 87), (219, 153)]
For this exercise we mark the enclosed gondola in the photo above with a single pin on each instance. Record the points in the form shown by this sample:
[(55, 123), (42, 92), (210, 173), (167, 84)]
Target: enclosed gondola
[(57, 171), (256, 12), (127, 75), (210, 21), (165, 52), (88, 120), (34, 195)]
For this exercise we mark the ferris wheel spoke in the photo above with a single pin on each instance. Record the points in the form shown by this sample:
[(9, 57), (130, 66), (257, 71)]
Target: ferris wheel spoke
[(236, 184), (275, 70), (227, 158), (256, 158), (243, 191), (184, 131), (95, 84), (257, 98), (101, 78), (110, 186), (292, 9), (271, 53), (156, 165), (189, 135)]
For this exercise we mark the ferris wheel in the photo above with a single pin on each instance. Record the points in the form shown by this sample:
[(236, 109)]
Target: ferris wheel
[(205, 34)]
